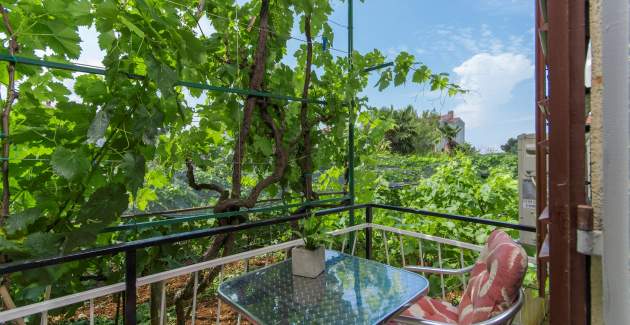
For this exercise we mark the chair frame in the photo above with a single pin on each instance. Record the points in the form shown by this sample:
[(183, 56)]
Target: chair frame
[(504, 318)]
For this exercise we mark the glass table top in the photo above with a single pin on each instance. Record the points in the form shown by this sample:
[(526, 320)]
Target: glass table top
[(351, 290)]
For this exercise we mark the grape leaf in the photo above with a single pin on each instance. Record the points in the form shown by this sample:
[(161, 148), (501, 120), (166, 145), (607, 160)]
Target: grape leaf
[(106, 39), (102, 208), (145, 196), (421, 75), (403, 61), (63, 39), (105, 204), (131, 26), (92, 89), (81, 12), (42, 244), (163, 75), (70, 164), (385, 79), (133, 167), (263, 145), (9, 247), (20, 221)]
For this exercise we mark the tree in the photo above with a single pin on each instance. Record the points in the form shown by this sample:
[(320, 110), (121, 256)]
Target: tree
[(467, 148), (449, 133), (511, 146), (411, 133)]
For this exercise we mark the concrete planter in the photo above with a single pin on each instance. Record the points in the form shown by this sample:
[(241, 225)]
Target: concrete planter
[(308, 263)]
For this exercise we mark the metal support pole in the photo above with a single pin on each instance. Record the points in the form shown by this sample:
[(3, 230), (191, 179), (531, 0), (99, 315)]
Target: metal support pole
[(351, 114), (568, 269), (130, 287), (368, 233), (541, 150)]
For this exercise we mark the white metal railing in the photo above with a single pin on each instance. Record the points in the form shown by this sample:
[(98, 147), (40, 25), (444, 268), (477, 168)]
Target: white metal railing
[(89, 296), (420, 237)]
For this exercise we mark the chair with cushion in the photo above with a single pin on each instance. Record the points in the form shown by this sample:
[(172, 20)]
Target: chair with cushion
[(493, 294)]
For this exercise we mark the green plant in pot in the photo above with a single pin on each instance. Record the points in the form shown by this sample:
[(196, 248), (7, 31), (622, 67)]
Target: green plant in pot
[(309, 260)]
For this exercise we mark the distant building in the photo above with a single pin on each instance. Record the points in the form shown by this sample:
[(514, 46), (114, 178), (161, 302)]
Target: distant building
[(450, 119)]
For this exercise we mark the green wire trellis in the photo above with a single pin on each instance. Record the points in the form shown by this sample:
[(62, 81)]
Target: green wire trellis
[(187, 84), (206, 216)]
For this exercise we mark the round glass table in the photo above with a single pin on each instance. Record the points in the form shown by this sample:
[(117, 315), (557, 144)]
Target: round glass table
[(352, 290)]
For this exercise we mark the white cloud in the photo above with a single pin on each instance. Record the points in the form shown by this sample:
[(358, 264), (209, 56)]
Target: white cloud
[(490, 79), (475, 40)]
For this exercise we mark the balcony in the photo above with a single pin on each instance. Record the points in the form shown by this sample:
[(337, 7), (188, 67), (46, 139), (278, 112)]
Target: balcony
[(378, 235)]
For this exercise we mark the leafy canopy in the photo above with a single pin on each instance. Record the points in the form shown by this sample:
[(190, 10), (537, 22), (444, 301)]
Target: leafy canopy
[(86, 148)]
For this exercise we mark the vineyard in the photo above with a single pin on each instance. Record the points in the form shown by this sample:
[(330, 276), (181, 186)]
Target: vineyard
[(184, 128)]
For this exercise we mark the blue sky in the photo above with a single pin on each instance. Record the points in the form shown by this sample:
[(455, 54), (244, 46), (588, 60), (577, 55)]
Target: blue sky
[(485, 45)]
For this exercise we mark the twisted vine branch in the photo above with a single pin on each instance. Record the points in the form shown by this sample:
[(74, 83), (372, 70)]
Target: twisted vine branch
[(13, 48), (223, 244), (306, 152), (257, 77), (190, 173)]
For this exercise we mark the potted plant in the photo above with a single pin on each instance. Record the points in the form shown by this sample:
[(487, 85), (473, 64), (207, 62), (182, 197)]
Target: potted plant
[(309, 260)]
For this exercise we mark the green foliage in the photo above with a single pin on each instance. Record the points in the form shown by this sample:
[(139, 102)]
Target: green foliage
[(458, 187), (21, 221), (411, 132), (103, 207), (483, 186), (511, 146), (313, 232), (473, 185), (404, 63), (70, 164), (467, 148), (486, 162), (449, 133)]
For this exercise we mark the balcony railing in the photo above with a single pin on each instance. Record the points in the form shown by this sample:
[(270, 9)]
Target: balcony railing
[(388, 244)]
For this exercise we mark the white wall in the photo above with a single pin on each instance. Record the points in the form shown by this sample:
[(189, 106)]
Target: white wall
[(616, 160)]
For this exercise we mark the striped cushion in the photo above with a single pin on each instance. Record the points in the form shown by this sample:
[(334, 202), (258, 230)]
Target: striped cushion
[(492, 288), (432, 309), (495, 279)]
